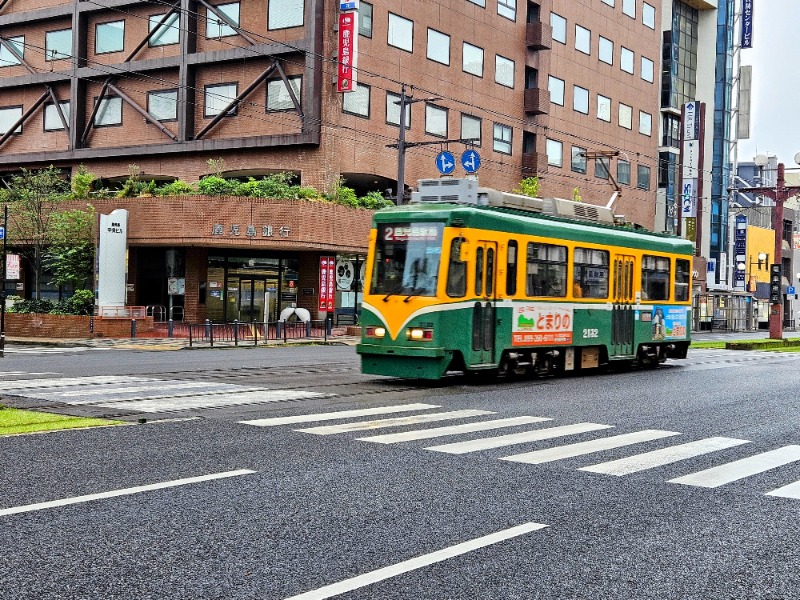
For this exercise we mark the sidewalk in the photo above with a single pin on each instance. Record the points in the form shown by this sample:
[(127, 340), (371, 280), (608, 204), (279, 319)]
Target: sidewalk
[(171, 343)]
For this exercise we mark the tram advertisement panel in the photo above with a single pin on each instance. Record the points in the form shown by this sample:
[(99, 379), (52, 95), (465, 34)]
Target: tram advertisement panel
[(541, 324), (669, 322)]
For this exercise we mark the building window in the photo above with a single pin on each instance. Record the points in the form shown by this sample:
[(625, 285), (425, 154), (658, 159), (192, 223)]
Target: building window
[(580, 99), (8, 58), (216, 27), (647, 69), (502, 138), (556, 89), (604, 108), (559, 25), (546, 270), (218, 97), (623, 172), (163, 104), (583, 40), (401, 33), (609, 2), (58, 44), (285, 13), (8, 116), (642, 177), (626, 60), (605, 50), (629, 8), (649, 15), (671, 126), (435, 120), (504, 71), (507, 9), (602, 167), (365, 19), (590, 273), (471, 129), (578, 159), (167, 34), (438, 47), (481, 3), (109, 37), (109, 113), (393, 110), (625, 116), (357, 101), (555, 153), (645, 123), (52, 120), (278, 97), (472, 59)]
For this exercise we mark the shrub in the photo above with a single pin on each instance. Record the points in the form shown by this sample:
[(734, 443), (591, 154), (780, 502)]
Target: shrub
[(528, 187), (82, 183), (175, 188), (27, 307), (374, 201), (212, 185), (80, 303)]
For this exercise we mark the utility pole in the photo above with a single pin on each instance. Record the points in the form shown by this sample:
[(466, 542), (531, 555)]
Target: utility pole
[(3, 291)]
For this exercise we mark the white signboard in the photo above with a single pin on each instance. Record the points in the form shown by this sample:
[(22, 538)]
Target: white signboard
[(12, 267), (112, 258), (689, 198), (691, 159), (345, 271)]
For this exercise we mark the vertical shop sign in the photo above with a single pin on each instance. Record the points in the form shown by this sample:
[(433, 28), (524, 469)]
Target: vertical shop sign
[(348, 52), (747, 23), (327, 283)]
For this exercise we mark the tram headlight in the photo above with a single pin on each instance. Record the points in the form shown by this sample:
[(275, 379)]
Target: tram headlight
[(377, 332), (418, 334)]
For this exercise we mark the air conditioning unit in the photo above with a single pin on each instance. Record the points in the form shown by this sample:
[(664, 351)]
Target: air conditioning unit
[(446, 189)]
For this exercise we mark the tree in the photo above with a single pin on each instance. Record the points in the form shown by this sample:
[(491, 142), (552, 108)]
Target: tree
[(40, 221), (70, 257)]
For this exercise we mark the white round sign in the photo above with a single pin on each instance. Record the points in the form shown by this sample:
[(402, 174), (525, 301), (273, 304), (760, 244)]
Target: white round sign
[(344, 274)]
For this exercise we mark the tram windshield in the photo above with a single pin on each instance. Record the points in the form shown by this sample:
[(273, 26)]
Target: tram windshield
[(407, 259)]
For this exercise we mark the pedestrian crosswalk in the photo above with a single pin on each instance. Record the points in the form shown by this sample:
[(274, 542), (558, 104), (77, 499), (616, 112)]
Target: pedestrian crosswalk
[(146, 394), (541, 429), (47, 349)]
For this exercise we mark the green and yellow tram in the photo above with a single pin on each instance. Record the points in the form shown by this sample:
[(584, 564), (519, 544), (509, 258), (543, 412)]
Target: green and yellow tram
[(475, 280)]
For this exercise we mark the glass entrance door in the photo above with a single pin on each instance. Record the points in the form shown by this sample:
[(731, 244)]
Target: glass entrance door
[(252, 300)]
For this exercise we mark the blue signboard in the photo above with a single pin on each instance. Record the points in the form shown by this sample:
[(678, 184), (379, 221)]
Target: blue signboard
[(471, 161), (2, 233), (791, 290), (445, 162), (747, 24)]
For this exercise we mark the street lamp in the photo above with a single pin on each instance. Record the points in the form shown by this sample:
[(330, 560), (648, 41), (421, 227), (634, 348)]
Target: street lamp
[(779, 193)]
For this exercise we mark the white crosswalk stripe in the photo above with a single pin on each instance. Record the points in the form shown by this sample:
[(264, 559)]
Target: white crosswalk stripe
[(517, 438), (571, 450), (739, 469), (664, 456), (426, 434), (788, 491), (341, 414), (25, 373), (395, 422)]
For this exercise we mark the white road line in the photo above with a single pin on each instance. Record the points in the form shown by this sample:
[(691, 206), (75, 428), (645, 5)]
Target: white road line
[(664, 456), (65, 382), (342, 414), (395, 422), (17, 373), (419, 562), (425, 434), (616, 441), (154, 385), (517, 438), (123, 492), (177, 402), (739, 469), (788, 491)]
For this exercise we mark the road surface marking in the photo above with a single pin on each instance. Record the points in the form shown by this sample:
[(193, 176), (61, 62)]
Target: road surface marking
[(123, 492), (788, 491), (342, 414), (395, 422), (154, 385), (173, 403), (425, 434), (32, 384), (616, 441), (419, 562), (664, 456), (517, 438), (17, 373), (739, 469)]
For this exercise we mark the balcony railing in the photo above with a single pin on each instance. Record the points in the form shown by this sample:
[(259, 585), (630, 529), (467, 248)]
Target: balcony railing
[(539, 36), (536, 101), (533, 164)]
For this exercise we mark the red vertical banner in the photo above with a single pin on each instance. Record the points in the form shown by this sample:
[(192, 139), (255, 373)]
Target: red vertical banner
[(348, 51), (327, 283)]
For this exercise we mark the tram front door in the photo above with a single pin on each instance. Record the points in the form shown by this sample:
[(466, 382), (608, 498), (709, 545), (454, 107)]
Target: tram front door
[(484, 310), (622, 313)]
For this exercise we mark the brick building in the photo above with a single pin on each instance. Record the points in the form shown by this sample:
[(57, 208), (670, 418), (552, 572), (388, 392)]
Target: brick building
[(565, 90)]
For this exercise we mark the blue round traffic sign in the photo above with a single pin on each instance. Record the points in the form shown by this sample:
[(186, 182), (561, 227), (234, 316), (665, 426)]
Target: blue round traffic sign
[(471, 161), (445, 162)]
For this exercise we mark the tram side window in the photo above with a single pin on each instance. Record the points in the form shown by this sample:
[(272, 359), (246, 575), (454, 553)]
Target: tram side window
[(456, 271), (655, 278), (590, 273), (511, 268), (546, 270), (681, 280)]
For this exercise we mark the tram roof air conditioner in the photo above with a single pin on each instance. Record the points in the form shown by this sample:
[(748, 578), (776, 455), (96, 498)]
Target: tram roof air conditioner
[(582, 211), (446, 189)]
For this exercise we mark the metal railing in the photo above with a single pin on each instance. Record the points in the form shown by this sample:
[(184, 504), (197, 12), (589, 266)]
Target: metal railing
[(251, 334)]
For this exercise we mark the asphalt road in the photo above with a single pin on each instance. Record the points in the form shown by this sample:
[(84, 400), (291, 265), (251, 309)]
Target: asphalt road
[(282, 509)]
